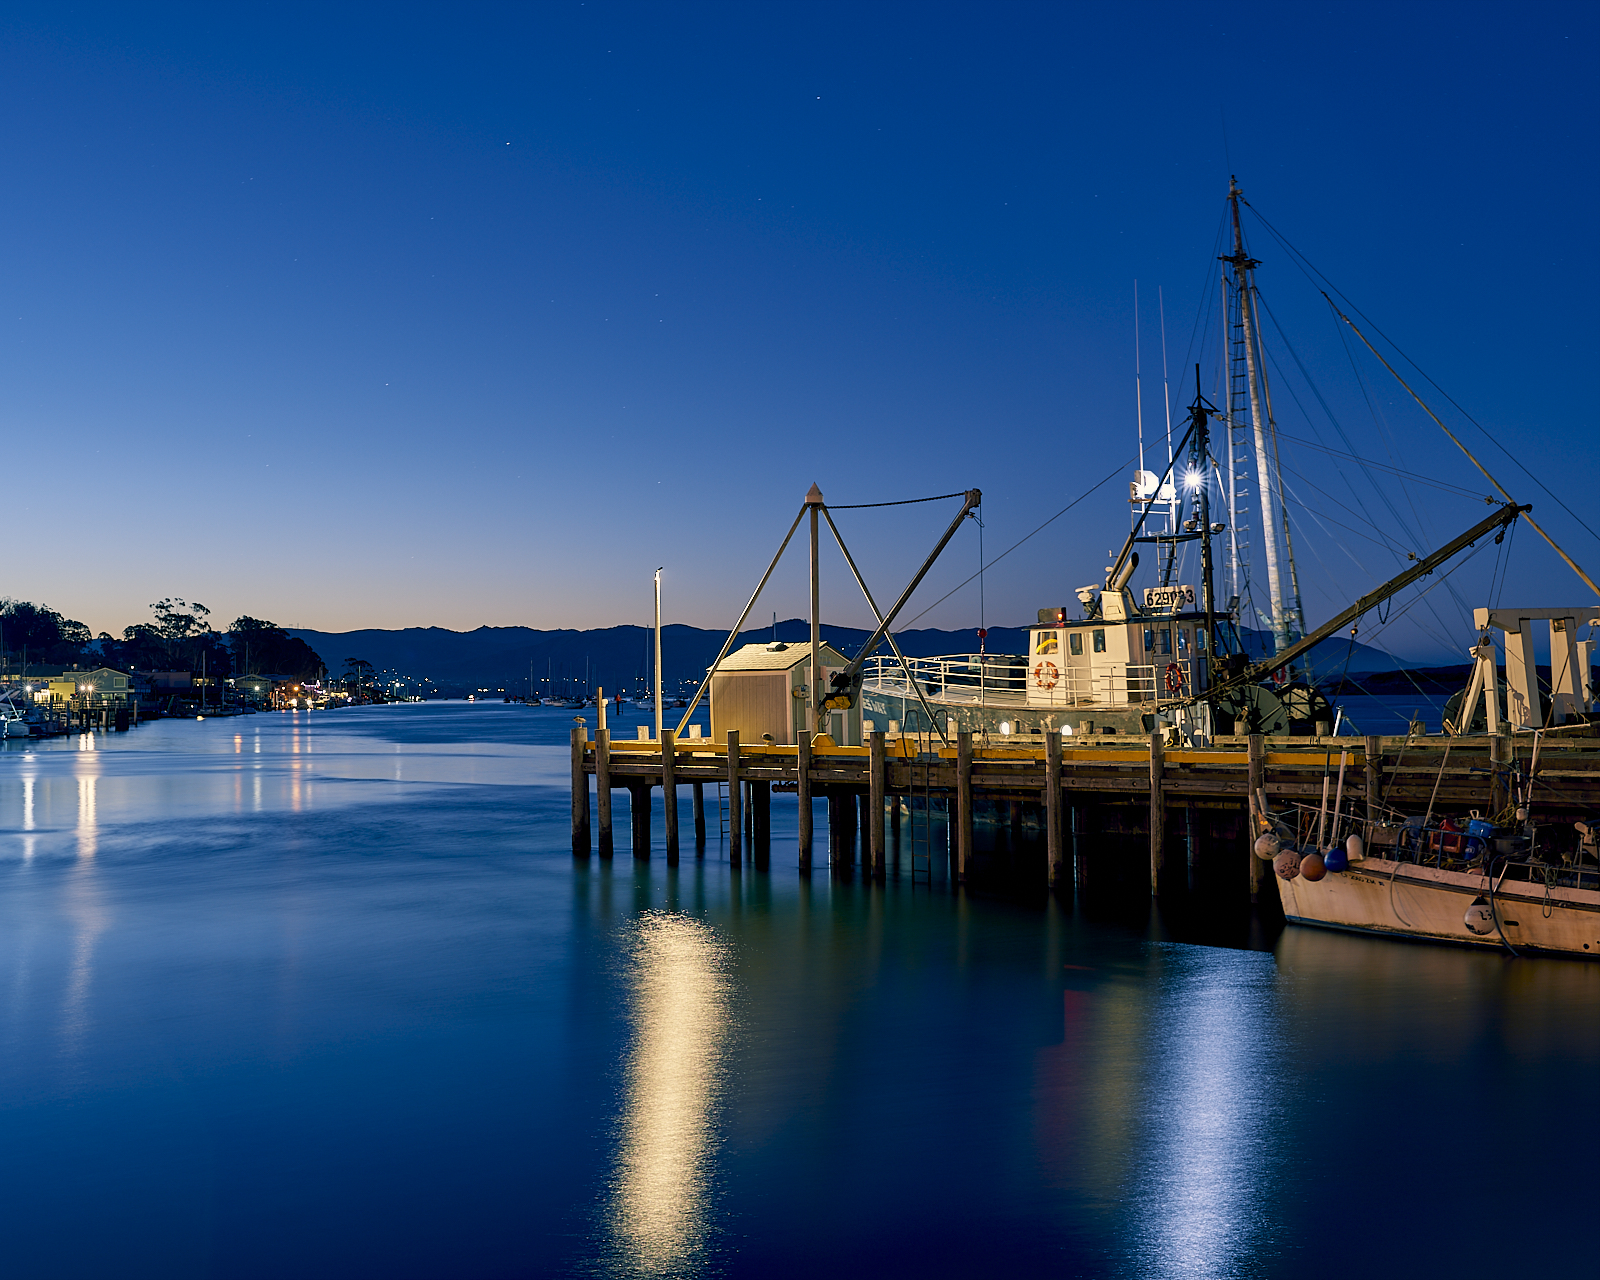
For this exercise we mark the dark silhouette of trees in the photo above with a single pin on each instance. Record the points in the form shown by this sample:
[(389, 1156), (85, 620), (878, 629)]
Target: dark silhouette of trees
[(261, 648), (44, 633)]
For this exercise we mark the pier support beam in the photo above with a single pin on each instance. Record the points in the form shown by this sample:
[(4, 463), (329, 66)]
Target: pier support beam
[(877, 769), (1080, 855), (669, 792), (639, 818), (602, 788), (963, 803), (580, 794), (735, 807), (803, 790), (1158, 814), (698, 804), (1052, 805), (761, 808), (1257, 783)]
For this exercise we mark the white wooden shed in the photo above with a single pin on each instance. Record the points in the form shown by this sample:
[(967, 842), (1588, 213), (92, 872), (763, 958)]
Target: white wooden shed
[(762, 688)]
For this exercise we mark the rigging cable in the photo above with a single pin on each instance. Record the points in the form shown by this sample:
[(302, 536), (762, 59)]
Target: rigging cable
[(1308, 264), (1121, 467), (904, 502)]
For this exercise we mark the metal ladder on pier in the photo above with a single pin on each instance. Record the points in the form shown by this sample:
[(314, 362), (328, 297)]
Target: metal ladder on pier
[(919, 799)]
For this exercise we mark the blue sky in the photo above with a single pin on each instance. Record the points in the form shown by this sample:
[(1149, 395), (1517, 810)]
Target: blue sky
[(386, 316)]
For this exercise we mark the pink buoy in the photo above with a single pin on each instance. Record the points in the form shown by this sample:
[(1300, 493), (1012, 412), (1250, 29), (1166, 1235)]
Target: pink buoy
[(1287, 865), (1312, 867)]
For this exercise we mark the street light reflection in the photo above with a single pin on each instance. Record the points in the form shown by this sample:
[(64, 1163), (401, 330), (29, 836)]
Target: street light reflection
[(660, 1213)]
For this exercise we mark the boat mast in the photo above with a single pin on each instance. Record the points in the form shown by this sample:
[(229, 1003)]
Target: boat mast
[(1200, 460), (1243, 265), (1233, 465), (1297, 613)]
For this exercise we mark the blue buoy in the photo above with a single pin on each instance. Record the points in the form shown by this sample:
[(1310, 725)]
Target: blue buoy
[(1336, 859)]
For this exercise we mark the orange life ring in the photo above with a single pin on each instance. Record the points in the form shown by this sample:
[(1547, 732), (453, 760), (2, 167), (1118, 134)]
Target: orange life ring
[(1045, 675), (1174, 678), (1280, 676)]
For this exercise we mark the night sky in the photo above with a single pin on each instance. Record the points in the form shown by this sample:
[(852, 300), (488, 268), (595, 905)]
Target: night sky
[(452, 315)]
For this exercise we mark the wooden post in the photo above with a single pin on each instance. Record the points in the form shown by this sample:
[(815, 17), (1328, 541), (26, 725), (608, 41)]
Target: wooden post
[(963, 803), (735, 814), (1373, 751), (1080, 859), (1257, 782), (1052, 805), (1188, 840), (803, 786), (669, 792), (698, 803), (847, 826), (875, 778), (835, 831), (1499, 762), (602, 788), (749, 817), (1158, 815), (639, 818), (761, 803), (580, 794)]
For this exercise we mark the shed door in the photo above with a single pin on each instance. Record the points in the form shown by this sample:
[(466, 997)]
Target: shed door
[(753, 702)]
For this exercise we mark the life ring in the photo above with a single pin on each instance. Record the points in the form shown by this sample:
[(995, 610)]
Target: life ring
[(1280, 676), (1174, 678), (1045, 675)]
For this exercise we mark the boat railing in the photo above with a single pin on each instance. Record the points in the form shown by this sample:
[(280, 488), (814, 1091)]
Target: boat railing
[(1454, 849), (1008, 681)]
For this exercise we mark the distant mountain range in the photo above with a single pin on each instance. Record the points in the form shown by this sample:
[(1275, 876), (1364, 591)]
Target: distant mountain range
[(505, 658)]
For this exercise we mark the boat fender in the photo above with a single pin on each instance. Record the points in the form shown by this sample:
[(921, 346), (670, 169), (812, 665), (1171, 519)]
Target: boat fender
[(1312, 867), (1336, 859), (1354, 849), (1286, 865), (1480, 918), (1268, 846)]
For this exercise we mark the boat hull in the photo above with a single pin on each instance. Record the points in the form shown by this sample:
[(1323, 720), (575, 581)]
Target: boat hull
[(1403, 899)]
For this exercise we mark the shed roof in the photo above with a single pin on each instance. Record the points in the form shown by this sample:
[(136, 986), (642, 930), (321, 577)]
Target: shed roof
[(762, 657)]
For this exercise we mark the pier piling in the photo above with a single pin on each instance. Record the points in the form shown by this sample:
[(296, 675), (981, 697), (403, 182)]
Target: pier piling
[(1256, 782), (580, 794), (876, 770), (669, 793), (602, 788), (639, 819), (963, 803), (735, 814), (803, 791), (1158, 814), (1052, 806), (761, 809), (698, 805)]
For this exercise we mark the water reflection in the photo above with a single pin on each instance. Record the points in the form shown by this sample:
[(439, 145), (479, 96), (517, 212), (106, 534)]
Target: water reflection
[(1212, 1046), (662, 1192)]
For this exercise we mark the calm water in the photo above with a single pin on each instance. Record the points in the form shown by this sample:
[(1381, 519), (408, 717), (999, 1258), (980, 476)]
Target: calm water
[(296, 995)]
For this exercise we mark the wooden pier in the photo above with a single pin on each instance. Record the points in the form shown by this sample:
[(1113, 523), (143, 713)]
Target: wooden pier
[(1184, 806)]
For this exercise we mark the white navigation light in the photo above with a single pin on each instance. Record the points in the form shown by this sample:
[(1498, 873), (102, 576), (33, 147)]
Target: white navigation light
[(1191, 480)]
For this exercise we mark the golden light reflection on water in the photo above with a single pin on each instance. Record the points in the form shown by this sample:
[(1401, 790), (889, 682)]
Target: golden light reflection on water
[(661, 1192)]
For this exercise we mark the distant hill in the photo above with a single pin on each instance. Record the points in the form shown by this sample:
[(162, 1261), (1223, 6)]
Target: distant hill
[(618, 657)]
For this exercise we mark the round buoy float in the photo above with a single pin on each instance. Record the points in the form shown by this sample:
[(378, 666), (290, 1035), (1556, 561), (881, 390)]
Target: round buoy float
[(1480, 918), (1268, 846), (1312, 866), (1286, 865), (1336, 859)]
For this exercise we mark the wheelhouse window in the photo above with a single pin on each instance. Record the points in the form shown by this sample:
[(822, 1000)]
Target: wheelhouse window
[(1149, 640), (1075, 644), (1046, 643), (1164, 640), (1099, 637)]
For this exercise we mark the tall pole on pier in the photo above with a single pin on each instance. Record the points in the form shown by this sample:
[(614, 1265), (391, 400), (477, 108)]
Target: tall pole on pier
[(658, 655), (815, 692)]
